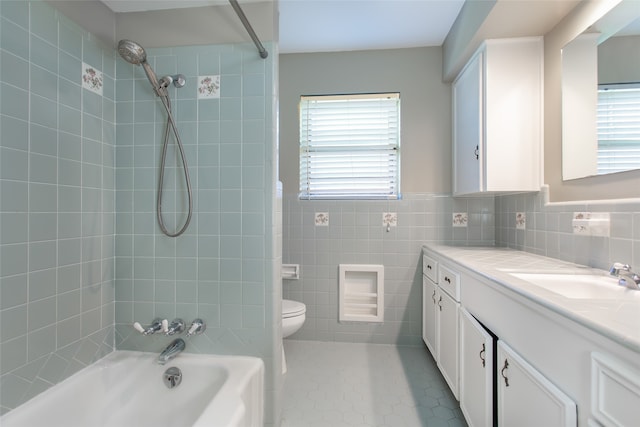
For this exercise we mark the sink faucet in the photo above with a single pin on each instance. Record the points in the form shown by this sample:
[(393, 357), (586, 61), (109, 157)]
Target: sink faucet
[(626, 277), (172, 350)]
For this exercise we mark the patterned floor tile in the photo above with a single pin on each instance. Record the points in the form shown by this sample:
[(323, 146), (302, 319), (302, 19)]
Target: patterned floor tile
[(332, 384)]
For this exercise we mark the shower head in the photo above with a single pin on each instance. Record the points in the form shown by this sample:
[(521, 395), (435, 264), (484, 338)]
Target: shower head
[(132, 52)]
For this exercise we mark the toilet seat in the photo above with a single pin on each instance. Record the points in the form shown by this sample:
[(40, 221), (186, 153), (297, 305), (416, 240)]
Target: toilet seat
[(292, 308)]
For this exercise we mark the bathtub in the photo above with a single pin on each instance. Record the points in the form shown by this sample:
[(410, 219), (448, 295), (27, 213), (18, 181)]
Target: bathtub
[(126, 389)]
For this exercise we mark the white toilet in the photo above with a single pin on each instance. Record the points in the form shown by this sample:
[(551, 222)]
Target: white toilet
[(293, 316)]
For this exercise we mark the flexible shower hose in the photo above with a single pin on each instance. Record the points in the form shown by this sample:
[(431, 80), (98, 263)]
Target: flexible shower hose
[(171, 124)]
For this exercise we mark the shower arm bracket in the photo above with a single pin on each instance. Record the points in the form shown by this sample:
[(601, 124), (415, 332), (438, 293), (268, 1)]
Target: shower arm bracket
[(247, 25)]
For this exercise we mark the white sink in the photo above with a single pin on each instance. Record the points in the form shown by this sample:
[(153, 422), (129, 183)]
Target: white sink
[(576, 286)]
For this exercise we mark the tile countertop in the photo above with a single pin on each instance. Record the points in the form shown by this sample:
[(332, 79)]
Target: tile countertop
[(617, 316)]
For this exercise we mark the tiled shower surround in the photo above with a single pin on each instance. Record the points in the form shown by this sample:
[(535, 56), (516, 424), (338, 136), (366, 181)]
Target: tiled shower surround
[(355, 234), (81, 254), (57, 145), (222, 268)]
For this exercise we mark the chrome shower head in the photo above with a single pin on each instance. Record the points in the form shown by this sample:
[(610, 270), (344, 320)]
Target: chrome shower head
[(132, 52)]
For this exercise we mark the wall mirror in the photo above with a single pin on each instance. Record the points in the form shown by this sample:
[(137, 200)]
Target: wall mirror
[(601, 96)]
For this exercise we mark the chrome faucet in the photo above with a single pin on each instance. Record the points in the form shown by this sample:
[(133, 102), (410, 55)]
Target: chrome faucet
[(172, 350), (625, 276)]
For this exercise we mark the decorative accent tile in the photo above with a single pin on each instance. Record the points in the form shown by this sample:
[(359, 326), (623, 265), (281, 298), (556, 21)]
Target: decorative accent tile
[(390, 219), (521, 221), (208, 87), (591, 224), (460, 219), (92, 79), (322, 219)]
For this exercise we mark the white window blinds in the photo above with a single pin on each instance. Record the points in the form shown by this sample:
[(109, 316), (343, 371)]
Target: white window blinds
[(618, 128), (350, 146)]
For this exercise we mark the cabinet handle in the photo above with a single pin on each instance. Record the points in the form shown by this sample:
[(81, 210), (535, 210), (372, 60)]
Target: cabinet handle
[(428, 267), (482, 353), (433, 297), (446, 279), (506, 380), (440, 303), (477, 152)]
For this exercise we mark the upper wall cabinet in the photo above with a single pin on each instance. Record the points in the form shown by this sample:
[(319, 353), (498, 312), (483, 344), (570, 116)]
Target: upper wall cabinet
[(497, 118)]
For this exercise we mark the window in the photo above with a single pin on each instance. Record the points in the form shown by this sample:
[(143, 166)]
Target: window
[(618, 129), (350, 146)]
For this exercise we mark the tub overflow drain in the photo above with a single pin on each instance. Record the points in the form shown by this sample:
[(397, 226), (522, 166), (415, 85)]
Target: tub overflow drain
[(172, 377)]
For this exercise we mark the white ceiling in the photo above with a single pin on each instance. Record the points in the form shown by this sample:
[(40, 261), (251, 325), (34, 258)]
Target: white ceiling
[(341, 25)]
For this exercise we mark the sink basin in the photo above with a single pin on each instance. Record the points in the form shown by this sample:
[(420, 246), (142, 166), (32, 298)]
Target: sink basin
[(576, 286)]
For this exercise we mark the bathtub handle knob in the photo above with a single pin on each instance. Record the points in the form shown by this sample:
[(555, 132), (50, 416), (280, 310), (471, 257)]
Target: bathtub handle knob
[(138, 327), (176, 327), (155, 326), (197, 327), (165, 326)]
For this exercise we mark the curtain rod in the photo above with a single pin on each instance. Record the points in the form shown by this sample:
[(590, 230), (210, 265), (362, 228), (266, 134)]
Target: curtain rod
[(263, 52)]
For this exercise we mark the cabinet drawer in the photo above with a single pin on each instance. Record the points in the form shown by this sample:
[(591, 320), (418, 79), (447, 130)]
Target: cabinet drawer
[(430, 268), (449, 281), (615, 391)]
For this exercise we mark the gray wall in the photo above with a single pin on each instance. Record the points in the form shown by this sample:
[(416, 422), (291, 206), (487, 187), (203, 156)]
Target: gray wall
[(426, 106), (619, 60), (355, 233)]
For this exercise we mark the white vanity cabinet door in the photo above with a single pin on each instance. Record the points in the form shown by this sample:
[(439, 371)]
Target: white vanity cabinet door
[(448, 340), (476, 372), (429, 319), (528, 399)]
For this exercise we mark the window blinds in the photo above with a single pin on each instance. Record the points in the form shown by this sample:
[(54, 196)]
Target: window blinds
[(349, 146), (618, 128)]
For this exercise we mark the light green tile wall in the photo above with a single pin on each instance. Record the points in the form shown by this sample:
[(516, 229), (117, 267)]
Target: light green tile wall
[(222, 268), (56, 201)]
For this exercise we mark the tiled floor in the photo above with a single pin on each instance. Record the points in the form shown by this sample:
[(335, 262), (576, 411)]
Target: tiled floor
[(365, 385)]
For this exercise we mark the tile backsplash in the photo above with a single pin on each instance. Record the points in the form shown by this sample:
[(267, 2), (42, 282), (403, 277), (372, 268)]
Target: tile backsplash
[(550, 230)]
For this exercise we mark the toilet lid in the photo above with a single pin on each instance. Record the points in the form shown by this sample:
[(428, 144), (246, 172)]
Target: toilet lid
[(292, 308)]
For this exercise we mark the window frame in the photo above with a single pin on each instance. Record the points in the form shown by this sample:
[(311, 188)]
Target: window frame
[(373, 169)]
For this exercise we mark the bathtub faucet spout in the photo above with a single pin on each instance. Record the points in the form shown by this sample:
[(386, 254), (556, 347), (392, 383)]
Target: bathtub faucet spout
[(172, 350)]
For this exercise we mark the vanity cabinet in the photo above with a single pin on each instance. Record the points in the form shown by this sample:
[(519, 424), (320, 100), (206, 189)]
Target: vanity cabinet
[(440, 320), (615, 391), (497, 118), (477, 371), (526, 398)]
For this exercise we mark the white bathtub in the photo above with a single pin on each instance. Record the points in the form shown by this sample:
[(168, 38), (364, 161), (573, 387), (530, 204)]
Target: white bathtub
[(126, 389)]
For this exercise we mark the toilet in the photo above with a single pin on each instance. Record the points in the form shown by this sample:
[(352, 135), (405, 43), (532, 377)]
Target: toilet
[(293, 316)]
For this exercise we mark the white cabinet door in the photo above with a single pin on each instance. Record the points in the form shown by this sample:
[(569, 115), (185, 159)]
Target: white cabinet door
[(467, 129), (476, 372), (528, 399), (497, 118), (448, 340), (429, 326)]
